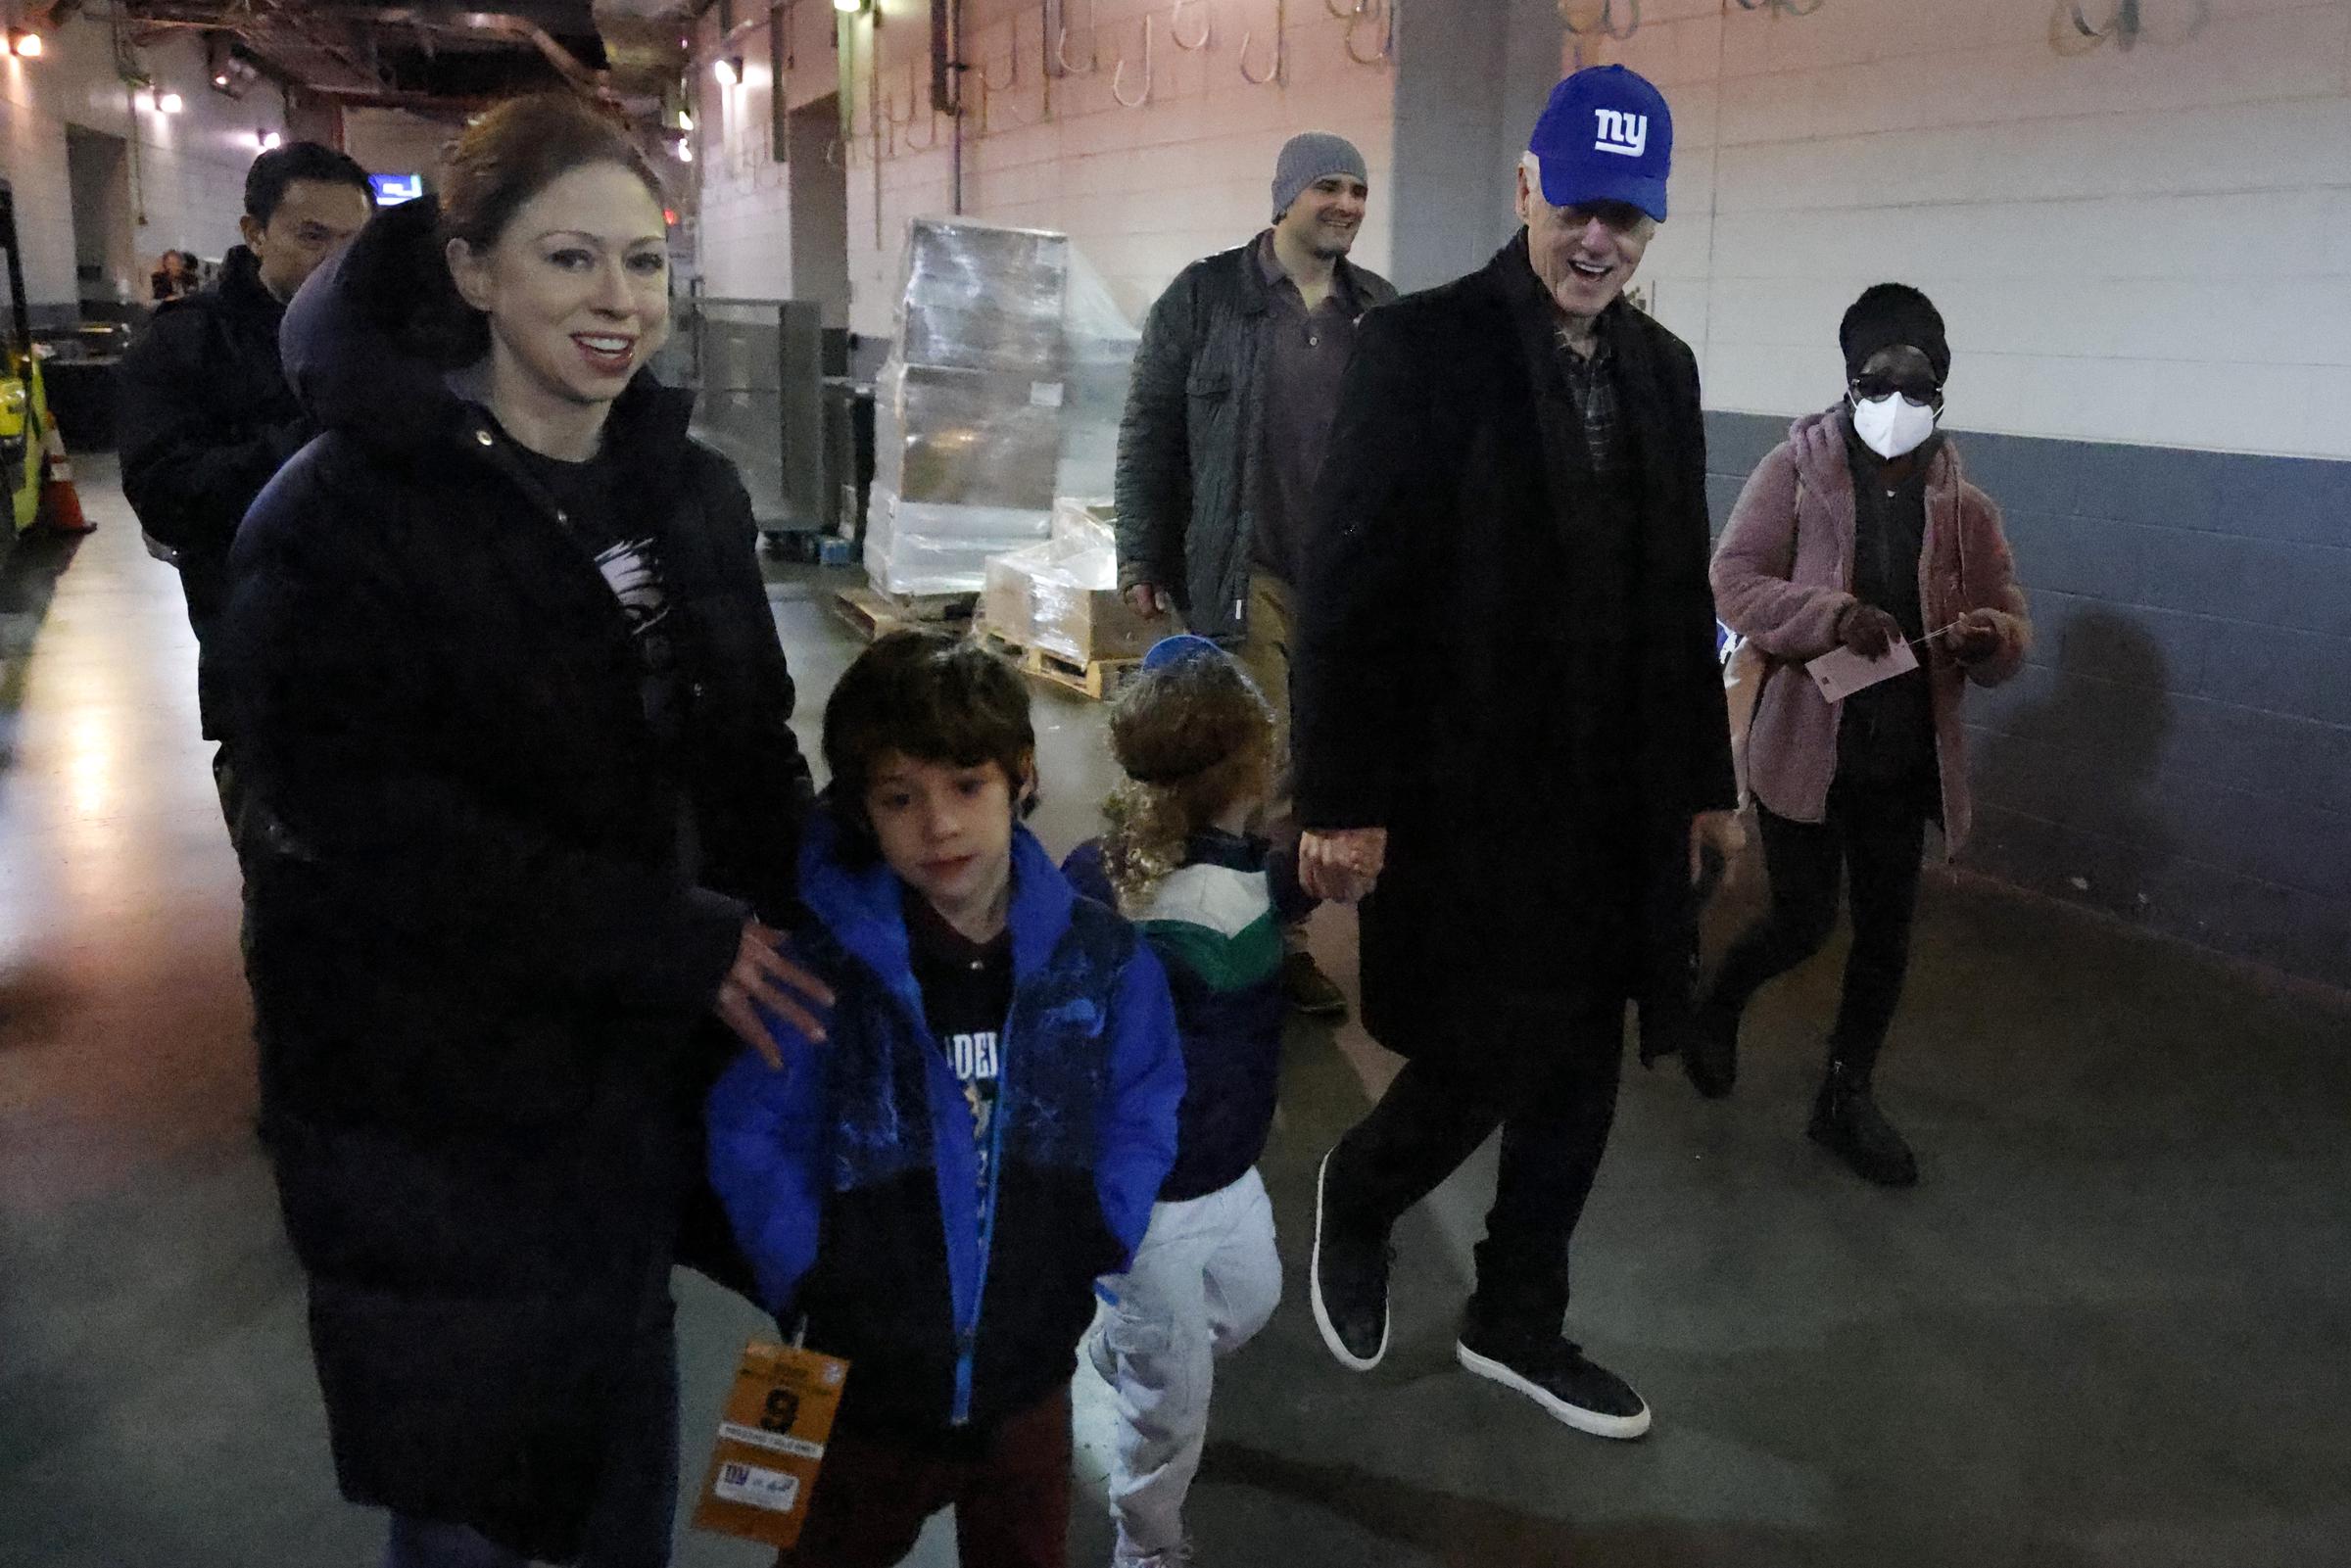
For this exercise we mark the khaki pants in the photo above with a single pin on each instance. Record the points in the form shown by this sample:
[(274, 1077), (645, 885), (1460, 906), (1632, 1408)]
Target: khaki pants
[(1266, 654)]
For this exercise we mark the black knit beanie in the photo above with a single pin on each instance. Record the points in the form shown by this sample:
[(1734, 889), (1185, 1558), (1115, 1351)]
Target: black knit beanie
[(1890, 315)]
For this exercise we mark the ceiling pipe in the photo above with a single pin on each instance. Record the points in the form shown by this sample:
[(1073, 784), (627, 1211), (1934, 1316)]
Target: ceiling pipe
[(496, 24)]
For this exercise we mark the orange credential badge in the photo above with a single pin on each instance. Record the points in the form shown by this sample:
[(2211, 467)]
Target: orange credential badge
[(771, 1444)]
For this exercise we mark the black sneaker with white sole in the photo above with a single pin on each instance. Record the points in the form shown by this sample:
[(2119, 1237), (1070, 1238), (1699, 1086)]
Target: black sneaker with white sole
[(1554, 1373), (1348, 1281)]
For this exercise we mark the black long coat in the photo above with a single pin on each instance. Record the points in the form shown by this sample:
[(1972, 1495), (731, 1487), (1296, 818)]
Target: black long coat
[(206, 418), (1536, 734), (481, 974)]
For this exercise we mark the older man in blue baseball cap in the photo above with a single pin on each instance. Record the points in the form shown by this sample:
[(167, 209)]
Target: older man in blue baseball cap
[(1511, 730)]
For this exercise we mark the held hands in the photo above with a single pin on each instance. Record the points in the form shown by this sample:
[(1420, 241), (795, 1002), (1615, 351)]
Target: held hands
[(1867, 629), (763, 977), (1149, 600), (1341, 865), (1719, 831)]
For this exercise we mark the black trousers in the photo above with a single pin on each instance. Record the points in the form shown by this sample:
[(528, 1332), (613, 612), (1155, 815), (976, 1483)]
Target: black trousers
[(1554, 1101), (1873, 837)]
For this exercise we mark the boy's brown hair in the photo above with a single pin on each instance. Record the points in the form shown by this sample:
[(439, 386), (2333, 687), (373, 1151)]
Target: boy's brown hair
[(929, 697), (1193, 737)]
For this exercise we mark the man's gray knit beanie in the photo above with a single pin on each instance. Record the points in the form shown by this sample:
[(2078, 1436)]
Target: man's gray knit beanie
[(1309, 157)]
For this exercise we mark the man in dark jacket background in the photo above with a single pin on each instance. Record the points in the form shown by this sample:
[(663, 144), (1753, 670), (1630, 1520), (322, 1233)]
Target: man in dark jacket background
[(1511, 729), (207, 419), (1235, 385)]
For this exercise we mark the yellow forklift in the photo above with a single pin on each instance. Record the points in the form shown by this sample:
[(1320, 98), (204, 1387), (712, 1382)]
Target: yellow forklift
[(24, 407)]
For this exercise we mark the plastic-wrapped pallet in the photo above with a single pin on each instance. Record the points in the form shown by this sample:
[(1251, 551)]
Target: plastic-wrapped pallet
[(1063, 595), (1008, 372), (1099, 344)]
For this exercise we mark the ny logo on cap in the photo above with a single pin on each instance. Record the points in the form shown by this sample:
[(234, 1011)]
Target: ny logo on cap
[(1624, 134)]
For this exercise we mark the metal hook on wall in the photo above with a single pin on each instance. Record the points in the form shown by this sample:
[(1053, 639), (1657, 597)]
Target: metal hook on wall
[(1281, 49), (989, 87), (1093, 43), (2070, 31), (2122, 24), (1012, 78), (1602, 19), (2126, 24), (1208, 28), (1385, 15), (1117, 77), (1346, 13), (916, 103)]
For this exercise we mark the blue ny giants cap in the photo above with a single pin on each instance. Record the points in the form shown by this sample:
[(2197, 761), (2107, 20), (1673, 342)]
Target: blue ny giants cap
[(1605, 136)]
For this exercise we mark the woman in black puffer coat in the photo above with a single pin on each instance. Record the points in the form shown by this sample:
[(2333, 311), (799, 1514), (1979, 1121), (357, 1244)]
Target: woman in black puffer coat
[(499, 653)]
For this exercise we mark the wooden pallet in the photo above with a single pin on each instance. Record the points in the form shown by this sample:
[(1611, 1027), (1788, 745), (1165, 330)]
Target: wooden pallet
[(1095, 679), (871, 613)]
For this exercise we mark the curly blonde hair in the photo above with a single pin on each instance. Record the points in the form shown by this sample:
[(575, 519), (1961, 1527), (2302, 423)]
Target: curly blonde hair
[(1194, 738)]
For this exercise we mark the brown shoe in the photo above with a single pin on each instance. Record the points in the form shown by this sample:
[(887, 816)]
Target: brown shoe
[(1312, 993)]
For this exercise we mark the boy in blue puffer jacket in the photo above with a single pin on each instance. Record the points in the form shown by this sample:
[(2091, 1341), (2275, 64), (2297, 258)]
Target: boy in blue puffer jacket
[(1196, 739), (933, 1187)]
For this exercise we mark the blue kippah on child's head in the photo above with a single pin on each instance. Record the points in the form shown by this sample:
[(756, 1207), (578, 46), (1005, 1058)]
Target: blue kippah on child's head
[(1177, 648)]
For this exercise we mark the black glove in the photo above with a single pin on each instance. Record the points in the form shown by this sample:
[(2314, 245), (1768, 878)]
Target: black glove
[(1867, 629)]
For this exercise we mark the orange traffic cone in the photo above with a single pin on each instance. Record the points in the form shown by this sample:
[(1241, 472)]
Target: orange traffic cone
[(61, 502)]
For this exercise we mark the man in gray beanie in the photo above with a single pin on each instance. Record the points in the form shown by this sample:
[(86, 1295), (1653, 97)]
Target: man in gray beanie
[(1234, 388)]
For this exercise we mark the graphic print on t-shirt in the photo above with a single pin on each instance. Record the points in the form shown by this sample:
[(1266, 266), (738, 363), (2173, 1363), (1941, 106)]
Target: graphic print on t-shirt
[(975, 1059), (629, 571)]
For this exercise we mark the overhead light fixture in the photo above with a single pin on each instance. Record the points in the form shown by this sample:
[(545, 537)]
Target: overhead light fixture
[(851, 7), (231, 74), (268, 141), (23, 45), (165, 103), (684, 150), (728, 69), (685, 121)]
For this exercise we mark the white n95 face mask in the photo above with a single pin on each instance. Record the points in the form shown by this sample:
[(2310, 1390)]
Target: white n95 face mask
[(1892, 426)]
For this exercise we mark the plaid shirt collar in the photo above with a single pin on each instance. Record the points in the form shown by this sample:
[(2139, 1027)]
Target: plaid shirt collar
[(1591, 382)]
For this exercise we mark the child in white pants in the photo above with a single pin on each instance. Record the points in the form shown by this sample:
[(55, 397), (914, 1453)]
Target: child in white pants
[(1196, 741)]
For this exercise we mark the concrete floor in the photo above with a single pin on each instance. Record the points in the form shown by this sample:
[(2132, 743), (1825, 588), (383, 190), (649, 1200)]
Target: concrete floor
[(2111, 1328)]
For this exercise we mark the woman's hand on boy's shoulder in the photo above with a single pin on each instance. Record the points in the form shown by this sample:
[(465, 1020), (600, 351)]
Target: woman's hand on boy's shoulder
[(762, 977)]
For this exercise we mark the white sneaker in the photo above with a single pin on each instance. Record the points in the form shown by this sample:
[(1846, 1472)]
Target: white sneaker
[(1176, 1558)]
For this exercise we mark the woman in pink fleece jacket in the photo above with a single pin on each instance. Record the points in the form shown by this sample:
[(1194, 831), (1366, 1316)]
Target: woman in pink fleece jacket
[(1859, 532)]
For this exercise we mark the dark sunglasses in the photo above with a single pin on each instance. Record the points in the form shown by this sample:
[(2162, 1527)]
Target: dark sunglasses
[(1918, 390)]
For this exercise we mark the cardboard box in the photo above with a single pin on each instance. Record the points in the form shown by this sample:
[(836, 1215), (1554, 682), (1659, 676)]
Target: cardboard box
[(1063, 596)]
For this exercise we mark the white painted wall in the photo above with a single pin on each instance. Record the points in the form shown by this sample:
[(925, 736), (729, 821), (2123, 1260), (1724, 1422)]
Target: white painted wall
[(2150, 247), (189, 168), (1467, 100), (1142, 191)]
